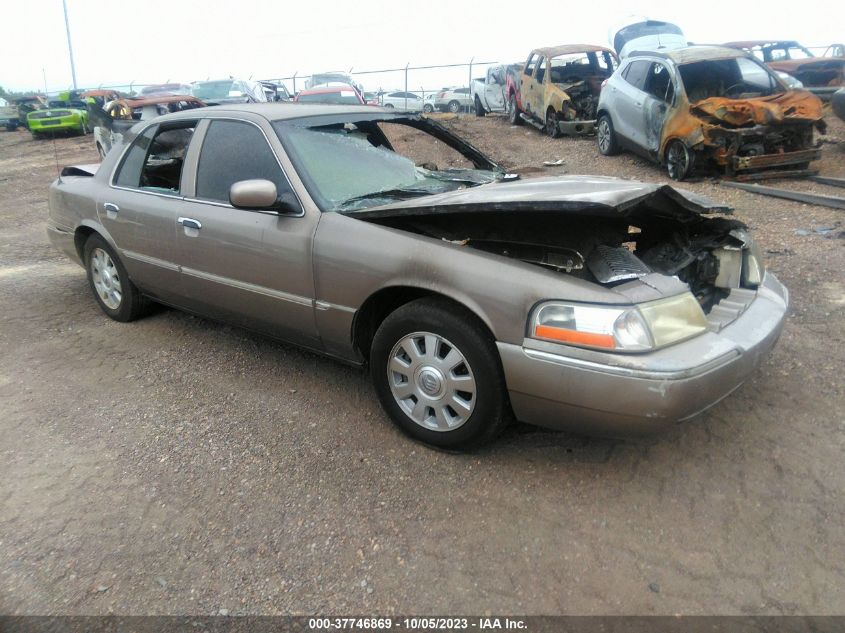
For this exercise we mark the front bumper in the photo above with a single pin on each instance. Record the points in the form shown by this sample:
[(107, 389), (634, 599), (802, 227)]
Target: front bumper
[(596, 393), (767, 161), (576, 128)]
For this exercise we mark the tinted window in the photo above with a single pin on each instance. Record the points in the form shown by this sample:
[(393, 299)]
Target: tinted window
[(637, 72), (234, 151)]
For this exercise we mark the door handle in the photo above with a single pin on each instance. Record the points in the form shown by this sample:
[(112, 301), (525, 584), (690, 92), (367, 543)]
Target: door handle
[(111, 209), (190, 223)]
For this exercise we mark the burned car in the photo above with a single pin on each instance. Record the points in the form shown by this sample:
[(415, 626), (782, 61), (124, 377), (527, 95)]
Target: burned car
[(708, 105), (119, 115), (588, 303), (557, 90), (820, 75)]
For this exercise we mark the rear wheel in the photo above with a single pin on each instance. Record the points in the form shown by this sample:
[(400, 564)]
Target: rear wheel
[(479, 109), (454, 107), (513, 111), (428, 108), (679, 160), (606, 137), (438, 376), (115, 293)]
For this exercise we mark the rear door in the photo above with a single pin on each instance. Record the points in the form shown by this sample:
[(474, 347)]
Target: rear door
[(494, 89), (140, 207), (628, 98), (249, 267)]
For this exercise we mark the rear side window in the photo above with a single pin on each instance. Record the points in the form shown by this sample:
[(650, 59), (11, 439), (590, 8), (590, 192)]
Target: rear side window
[(155, 160), (234, 151), (637, 72)]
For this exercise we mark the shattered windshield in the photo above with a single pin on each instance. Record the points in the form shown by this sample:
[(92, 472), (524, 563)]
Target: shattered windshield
[(734, 78), (348, 167), (209, 90)]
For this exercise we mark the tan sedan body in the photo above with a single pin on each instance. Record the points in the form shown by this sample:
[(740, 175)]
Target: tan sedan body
[(450, 314)]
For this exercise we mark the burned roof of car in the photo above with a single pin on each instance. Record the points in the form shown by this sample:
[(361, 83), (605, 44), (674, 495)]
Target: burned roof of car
[(689, 54), (572, 49), (140, 102)]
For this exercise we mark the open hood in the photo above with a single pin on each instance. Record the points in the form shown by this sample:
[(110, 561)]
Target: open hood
[(596, 196), (647, 35), (795, 105)]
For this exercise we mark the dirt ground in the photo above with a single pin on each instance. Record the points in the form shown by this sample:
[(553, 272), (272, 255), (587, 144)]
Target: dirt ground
[(176, 465)]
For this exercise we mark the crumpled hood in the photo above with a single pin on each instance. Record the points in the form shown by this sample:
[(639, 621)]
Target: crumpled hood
[(594, 195), (795, 105)]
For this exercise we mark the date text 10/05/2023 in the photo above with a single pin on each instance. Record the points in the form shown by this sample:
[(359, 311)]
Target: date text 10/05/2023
[(417, 623)]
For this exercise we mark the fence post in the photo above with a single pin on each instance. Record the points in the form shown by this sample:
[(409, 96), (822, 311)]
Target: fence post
[(406, 84)]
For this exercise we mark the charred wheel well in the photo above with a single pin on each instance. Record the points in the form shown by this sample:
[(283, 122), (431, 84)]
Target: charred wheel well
[(378, 306)]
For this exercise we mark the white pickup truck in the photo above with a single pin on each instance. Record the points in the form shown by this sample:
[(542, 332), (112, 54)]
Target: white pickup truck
[(488, 93)]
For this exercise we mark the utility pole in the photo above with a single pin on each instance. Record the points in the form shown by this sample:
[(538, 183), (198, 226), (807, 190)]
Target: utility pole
[(69, 45)]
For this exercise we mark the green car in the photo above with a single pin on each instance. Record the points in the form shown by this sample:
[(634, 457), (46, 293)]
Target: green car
[(72, 117)]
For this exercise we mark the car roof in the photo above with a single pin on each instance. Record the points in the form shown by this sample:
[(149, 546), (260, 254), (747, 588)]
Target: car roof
[(159, 99), (761, 43), (280, 111), (689, 54), (571, 49), (328, 89)]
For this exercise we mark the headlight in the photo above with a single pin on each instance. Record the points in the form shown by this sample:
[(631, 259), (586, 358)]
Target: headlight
[(639, 328)]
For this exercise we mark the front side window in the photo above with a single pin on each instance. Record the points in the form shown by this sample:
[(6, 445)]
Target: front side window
[(154, 162), (658, 83), (233, 151)]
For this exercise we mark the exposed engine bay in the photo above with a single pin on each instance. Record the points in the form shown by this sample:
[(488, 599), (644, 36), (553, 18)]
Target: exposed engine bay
[(708, 254)]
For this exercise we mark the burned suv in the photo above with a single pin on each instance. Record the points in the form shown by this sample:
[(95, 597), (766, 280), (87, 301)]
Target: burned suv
[(710, 105)]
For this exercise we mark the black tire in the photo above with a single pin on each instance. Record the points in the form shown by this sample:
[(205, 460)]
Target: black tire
[(679, 159), (513, 111), (454, 107), (132, 304), (462, 330), (551, 124), (479, 109), (428, 108), (606, 137), (389, 106)]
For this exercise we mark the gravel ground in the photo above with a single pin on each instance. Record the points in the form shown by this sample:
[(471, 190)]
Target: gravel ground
[(176, 465)]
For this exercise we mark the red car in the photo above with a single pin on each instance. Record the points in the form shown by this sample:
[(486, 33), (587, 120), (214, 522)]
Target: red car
[(340, 93)]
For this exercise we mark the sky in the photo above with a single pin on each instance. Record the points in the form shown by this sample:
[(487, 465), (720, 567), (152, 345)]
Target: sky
[(118, 43)]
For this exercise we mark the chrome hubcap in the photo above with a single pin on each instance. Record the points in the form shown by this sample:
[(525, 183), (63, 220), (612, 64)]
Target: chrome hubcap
[(431, 381), (106, 279)]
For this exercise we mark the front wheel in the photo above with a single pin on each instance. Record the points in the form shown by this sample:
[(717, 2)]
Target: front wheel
[(437, 374), (428, 108), (551, 124), (454, 107), (115, 293), (679, 160)]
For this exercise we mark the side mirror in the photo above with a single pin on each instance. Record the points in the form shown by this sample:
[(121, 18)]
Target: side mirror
[(261, 194)]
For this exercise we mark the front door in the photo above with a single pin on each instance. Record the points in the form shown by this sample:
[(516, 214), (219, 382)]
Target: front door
[(659, 95), (249, 267)]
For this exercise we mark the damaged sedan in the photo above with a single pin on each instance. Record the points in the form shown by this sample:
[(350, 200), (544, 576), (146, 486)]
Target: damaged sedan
[(709, 106), (592, 304)]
